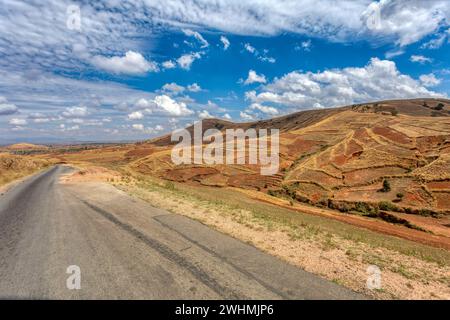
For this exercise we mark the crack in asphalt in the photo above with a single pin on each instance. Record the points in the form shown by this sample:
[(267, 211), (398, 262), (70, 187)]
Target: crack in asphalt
[(169, 254), (245, 272)]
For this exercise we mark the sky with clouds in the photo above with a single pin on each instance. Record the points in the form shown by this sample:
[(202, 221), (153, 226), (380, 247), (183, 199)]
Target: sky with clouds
[(120, 70)]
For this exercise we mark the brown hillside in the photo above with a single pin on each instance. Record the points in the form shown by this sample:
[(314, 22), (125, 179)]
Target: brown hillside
[(338, 157)]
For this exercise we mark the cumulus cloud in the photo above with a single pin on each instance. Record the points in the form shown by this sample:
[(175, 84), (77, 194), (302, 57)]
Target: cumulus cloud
[(133, 63), (225, 42), (253, 77), (197, 36), (171, 106), (164, 104), (136, 115), (194, 87), (169, 64), (429, 80), (173, 87), (249, 48), (7, 108), (245, 116), (263, 109), (304, 46), (74, 112), (204, 114), (18, 122), (148, 130), (378, 80), (427, 16), (420, 59), (186, 60), (108, 27), (226, 116), (138, 126)]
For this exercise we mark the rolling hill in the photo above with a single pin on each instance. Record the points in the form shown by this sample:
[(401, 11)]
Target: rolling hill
[(340, 158)]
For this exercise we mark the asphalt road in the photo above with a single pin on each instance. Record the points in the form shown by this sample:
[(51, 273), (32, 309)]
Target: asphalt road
[(127, 249)]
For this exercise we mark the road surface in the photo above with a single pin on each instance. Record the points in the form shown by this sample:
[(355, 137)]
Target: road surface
[(126, 249)]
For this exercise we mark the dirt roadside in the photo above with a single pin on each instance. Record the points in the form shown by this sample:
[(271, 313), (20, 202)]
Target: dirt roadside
[(344, 260)]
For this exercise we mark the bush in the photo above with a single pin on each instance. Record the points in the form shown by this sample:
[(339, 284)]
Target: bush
[(440, 106), (400, 195), (394, 112), (387, 206), (386, 186), (169, 185)]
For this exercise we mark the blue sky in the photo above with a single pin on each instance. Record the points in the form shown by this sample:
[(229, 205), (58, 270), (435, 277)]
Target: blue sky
[(130, 70)]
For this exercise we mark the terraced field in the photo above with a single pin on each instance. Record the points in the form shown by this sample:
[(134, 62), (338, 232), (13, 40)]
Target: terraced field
[(387, 160)]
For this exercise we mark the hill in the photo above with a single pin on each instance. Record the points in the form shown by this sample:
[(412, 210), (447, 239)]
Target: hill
[(13, 167), (338, 157)]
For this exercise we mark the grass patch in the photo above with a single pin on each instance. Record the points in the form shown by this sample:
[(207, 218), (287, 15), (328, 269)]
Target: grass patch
[(304, 225)]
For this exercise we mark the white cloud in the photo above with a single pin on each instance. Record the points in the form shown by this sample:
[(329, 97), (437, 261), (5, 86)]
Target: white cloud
[(136, 115), (194, 87), (171, 107), (249, 48), (378, 80), (18, 122), (73, 112), (425, 17), (197, 36), (429, 80), (253, 77), (267, 59), (245, 116), (110, 28), (186, 60), (173, 87), (225, 42), (41, 120), (169, 64), (420, 59), (263, 109), (138, 126), (262, 57), (435, 43), (204, 114), (7, 108), (394, 53), (73, 128), (226, 116), (304, 46), (132, 63)]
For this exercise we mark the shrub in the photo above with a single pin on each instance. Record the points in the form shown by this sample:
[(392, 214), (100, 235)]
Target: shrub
[(387, 206), (440, 106), (400, 195), (394, 112), (386, 186), (169, 185)]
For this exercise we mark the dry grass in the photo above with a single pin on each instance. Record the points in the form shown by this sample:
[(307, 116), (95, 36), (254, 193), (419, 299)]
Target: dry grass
[(334, 250), (14, 167)]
